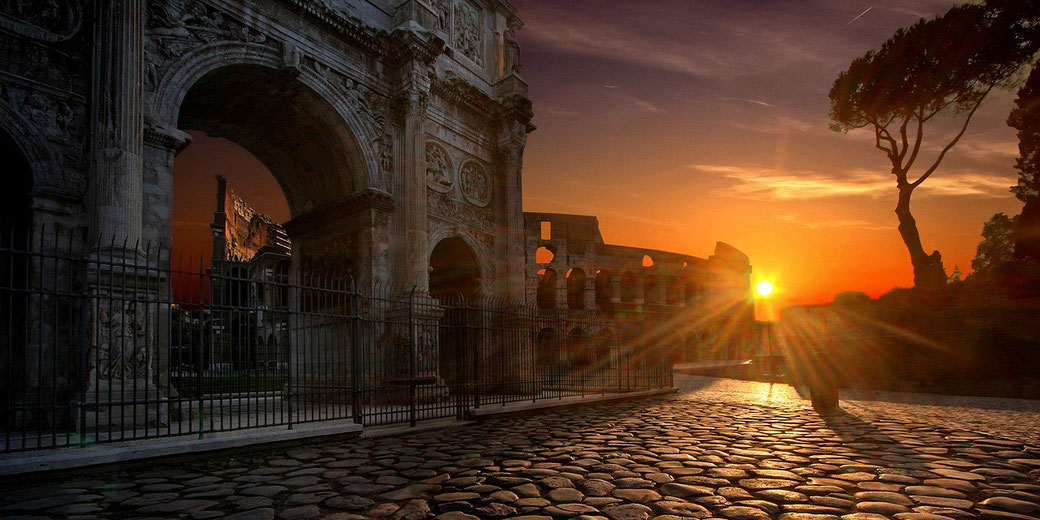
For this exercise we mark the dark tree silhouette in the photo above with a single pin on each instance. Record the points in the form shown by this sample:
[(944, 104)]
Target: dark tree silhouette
[(1026, 119), (943, 66), (997, 246)]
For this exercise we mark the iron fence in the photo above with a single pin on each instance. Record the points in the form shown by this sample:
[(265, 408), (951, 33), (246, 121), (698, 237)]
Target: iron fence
[(121, 342)]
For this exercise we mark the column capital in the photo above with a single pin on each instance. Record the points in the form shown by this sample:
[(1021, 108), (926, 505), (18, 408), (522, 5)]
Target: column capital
[(167, 137), (415, 102)]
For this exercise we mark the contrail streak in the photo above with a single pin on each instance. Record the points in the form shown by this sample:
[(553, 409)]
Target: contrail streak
[(860, 15)]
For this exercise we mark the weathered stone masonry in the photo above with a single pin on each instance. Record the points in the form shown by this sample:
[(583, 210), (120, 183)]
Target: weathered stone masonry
[(701, 307), (390, 124), (396, 129)]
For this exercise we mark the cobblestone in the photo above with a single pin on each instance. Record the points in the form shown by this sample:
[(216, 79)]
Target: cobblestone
[(1016, 420), (705, 454)]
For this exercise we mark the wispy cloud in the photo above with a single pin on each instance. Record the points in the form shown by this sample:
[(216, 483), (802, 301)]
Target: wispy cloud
[(988, 149), (768, 183), (582, 209), (775, 125), (745, 100), (981, 185), (753, 45), (553, 110), (640, 104), (916, 13), (833, 224)]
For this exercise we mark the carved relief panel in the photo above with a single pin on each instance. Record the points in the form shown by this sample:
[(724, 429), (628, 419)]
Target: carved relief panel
[(45, 81), (476, 184), (177, 26), (463, 24), (468, 33), (52, 21), (439, 173), (461, 193)]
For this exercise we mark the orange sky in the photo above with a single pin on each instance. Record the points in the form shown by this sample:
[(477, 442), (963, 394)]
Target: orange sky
[(680, 123)]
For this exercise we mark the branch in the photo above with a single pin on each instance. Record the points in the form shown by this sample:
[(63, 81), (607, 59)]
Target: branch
[(902, 136), (877, 141), (917, 139), (945, 149), (882, 133)]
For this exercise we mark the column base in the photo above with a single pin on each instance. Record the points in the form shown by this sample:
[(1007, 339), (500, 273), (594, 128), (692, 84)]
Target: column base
[(118, 405)]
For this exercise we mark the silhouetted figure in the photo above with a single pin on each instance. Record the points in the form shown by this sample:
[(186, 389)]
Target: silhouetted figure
[(824, 382)]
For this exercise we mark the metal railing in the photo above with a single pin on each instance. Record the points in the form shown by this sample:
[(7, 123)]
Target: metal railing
[(121, 342)]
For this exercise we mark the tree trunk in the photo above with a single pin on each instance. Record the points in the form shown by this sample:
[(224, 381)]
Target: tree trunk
[(928, 269)]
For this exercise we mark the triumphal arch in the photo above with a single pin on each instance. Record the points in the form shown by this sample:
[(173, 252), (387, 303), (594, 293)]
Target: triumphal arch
[(395, 129), (391, 125)]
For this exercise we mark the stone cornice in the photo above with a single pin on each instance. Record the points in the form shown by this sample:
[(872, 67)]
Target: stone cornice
[(347, 28), (366, 199), (413, 44), (393, 48), (467, 96), (169, 138), (518, 108)]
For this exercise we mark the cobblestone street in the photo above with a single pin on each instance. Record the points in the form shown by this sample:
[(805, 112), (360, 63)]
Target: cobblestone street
[(1018, 419), (719, 449)]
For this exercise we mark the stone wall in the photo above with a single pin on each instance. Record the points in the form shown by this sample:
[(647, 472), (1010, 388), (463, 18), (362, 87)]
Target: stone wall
[(701, 307), (345, 102)]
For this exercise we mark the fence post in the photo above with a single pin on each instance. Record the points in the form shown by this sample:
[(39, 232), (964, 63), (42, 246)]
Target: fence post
[(84, 345), (460, 374), (413, 359), (295, 308), (355, 353), (475, 352), (204, 352)]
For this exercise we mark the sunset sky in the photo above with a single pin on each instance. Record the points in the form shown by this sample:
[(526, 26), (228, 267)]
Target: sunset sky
[(680, 123)]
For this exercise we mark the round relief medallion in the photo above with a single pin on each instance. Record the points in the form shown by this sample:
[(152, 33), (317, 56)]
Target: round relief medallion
[(476, 184), (439, 174)]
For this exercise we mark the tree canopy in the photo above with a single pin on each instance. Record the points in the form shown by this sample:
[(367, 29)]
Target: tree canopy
[(946, 65), (997, 246), (1026, 119)]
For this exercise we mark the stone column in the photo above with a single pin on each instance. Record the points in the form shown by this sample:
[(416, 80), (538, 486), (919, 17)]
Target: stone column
[(640, 291), (416, 264), (511, 165), (615, 288), (120, 391), (516, 124), (561, 290), (590, 292), (117, 119), (161, 146)]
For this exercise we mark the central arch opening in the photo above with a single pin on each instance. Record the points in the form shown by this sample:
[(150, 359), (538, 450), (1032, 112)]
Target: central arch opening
[(454, 270), (290, 128), (282, 151)]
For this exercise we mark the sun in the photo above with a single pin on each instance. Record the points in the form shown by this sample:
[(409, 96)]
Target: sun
[(764, 288)]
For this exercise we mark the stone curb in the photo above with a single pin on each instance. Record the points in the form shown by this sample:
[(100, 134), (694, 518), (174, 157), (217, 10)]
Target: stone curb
[(32, 463), (493, 410), (21, 464)]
